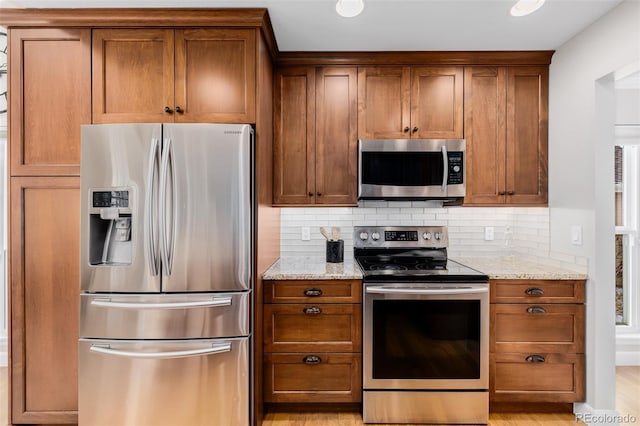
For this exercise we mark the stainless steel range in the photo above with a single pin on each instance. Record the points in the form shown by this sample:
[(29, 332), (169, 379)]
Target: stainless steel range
[(426, 329)]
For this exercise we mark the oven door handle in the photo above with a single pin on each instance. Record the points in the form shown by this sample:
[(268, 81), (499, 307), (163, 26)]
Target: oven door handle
[(426, 291)]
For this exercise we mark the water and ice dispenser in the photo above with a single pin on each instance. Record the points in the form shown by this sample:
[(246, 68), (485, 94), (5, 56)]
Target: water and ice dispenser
[(110, 227)]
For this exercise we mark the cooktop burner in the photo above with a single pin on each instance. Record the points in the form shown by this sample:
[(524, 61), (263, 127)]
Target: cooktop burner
[(403, 253)]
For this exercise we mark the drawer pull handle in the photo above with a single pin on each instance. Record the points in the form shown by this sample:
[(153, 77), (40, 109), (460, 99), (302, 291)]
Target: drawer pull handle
[(313, 292), (536, 310), (314, 310), (534, 291), (535, 358), (312, 360)]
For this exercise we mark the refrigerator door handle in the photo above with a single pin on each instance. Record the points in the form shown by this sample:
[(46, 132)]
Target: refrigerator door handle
[(213, 302), (151, 209), (216, 349), (165, 244)]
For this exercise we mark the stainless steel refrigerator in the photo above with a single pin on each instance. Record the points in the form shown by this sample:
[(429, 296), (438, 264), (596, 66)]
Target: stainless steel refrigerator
[(166, 274)]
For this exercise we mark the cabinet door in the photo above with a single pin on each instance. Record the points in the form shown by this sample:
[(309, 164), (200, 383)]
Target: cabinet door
[(44, 277), (132, 75), (436, 102), (336, 136), (50, 86), (215, 75), (484, 129), (384, 96), (527, 127), (294, 136)]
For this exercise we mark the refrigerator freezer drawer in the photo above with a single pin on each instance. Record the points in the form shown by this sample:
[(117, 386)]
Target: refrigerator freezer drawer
[(164, 316), (157, 383)]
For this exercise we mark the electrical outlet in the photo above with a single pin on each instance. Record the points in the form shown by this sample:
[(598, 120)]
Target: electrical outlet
[(576, 235), (488, 233), (305, 233)]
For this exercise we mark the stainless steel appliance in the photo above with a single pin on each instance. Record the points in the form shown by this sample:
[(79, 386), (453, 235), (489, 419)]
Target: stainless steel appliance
[(166, 274), (426, 329), (411, 169)]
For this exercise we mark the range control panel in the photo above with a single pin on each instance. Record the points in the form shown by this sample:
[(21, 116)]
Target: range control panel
[(400, 236)]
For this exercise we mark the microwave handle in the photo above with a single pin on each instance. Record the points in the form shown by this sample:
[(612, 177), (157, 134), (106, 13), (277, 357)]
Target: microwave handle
[(445, 174)]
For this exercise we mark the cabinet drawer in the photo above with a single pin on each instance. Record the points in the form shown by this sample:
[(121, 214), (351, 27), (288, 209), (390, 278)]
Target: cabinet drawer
[(537, 327), (515, 377), (313, 291), (537, 291), (309, 327), (313, 377)]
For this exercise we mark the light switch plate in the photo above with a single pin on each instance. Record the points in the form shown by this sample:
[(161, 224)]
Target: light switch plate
[(576, 235)]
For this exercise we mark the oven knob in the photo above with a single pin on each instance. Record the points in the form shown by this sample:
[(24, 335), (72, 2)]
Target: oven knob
[(437, 235), (364, 236), (426, 236), (375, 236)]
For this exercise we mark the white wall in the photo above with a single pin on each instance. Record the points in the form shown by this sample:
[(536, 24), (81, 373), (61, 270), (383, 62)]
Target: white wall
[(581, 118), (528, 229)]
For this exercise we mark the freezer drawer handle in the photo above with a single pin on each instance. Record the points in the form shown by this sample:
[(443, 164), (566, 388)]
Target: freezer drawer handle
[(106, 349), (215, 302)]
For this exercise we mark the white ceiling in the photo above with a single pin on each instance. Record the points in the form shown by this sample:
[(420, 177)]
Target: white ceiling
[(313, 25)]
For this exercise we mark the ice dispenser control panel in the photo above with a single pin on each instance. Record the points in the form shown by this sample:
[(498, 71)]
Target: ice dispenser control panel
[(111, 219)]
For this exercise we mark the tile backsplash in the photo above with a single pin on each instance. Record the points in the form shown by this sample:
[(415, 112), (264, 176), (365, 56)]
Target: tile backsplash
[(522, 231)]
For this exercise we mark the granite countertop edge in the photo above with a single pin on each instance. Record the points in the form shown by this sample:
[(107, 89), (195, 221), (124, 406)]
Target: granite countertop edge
[(507, 267)]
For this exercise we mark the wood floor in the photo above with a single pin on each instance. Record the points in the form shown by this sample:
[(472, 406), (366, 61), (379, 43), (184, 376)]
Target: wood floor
[(627, 403)]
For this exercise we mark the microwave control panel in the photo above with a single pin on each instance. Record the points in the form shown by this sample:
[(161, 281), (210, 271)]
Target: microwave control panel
[(456, 168)]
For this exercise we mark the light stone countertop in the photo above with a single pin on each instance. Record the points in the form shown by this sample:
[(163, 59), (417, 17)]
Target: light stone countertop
[(507, 267), (312, 268), (514, 267)]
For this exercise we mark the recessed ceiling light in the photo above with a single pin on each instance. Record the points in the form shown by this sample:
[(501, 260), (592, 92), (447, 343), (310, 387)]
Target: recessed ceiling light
[(525, 7), (349, 8)]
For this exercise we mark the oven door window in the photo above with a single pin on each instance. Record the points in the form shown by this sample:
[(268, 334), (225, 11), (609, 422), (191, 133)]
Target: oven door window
[(426, 339), (402, 168)]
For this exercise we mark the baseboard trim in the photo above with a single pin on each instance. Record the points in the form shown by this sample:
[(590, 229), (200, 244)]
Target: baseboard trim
[(628, 358)]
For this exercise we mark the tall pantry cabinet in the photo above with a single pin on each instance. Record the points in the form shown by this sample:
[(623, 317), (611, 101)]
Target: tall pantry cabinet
[(91, 66)]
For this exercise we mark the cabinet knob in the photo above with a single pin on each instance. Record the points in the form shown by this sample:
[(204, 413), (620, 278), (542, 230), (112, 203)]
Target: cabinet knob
[(319, 194), (179, 110), (313, 310), (313, 292), (501, 193), (535, 358), (310, 194), (415, 129), (406, 129), (534, 291), (312, 359), (510, 193), (535, 310), (168, 110)]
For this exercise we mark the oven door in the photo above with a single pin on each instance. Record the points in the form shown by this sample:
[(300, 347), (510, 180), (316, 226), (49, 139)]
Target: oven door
[(426, 336)]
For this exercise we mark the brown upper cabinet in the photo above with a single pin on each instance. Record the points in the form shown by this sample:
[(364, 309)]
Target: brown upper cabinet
[(410, 102), (50, 97), (315, 125), (506, 120), (167, 75)]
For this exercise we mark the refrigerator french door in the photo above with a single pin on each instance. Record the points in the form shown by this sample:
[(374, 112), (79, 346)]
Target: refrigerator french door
[(166, 274)]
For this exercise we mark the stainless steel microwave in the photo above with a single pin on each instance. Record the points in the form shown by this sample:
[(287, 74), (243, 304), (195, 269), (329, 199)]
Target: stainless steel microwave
[(411, 169)]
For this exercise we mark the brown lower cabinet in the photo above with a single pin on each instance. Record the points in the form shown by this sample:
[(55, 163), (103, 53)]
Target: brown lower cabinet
[(44, 277), (312, 347), (537, 341)]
